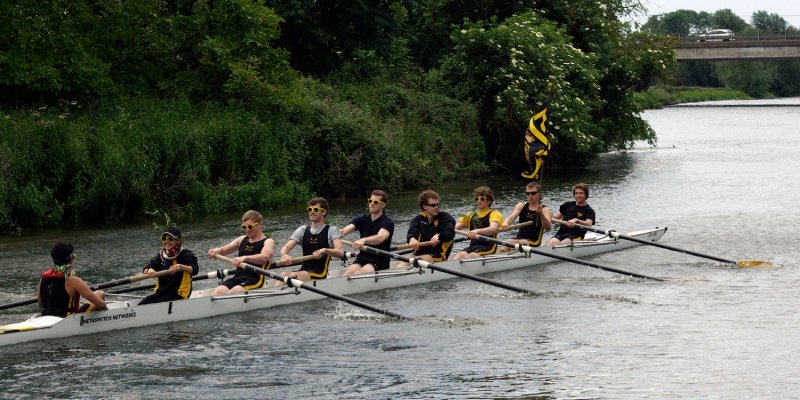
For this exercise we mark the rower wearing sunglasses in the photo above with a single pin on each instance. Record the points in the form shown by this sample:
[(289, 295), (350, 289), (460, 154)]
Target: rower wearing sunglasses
[(534, 211), (181, 263), (376, 230), (482, 221), (254, 247), (433, 226), (319, 239)]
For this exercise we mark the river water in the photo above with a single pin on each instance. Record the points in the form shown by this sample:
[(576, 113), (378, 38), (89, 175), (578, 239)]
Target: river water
[(719, 179)]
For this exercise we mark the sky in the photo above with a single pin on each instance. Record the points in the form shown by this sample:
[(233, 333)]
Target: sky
[(788, 9)]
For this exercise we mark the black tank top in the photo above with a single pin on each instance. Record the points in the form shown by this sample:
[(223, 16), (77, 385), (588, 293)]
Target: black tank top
[(532, 233), (317, 268)]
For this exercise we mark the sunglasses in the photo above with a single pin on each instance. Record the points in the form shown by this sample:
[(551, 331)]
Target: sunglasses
[(481, 198), (435, 205), (315, 209), (168, 238), (374, 202), (531, 193), (249, 227)]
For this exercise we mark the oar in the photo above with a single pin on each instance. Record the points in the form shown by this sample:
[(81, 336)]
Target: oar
[(528, 249), (616, 235), (409, 246), (292, 282), (430, 265), (519, 225), (296, 260), (104, 285)]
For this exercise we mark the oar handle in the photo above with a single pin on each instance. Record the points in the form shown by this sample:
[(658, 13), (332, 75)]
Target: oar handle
[(220, 273), (297, 283), (617, 235), (125, 281), (517, 226), (529, 249), (409, 246), (296, 260)]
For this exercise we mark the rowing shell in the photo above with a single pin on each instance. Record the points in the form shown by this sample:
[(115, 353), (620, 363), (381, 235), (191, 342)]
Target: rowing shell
[(127, 314)]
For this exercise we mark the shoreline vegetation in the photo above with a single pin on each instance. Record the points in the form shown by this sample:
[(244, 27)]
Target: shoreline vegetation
[(656, 97), (115, 110)]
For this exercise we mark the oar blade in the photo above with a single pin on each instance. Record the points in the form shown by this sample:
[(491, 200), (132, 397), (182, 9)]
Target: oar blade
[(753, 263)]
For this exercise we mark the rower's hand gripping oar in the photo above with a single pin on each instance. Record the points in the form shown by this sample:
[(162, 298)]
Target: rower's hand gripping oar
[(617, 235), (220, 274), (528, 249), (98, 286), (297, 283), (430, 265)]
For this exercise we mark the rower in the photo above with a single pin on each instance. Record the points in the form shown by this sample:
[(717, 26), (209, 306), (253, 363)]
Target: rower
[(534, 211), (319, 239), (376, 230), (573, 212), (481, 221), (181, 263), (431, 225), (254, 248), (60, 290)]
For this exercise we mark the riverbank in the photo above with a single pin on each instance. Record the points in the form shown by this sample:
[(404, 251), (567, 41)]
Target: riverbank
[(657, 97)]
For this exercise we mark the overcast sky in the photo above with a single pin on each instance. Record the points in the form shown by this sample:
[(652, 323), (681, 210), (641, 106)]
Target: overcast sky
[(788, 9)]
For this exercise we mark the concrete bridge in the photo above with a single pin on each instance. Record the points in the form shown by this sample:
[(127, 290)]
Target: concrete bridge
[(742, 48)]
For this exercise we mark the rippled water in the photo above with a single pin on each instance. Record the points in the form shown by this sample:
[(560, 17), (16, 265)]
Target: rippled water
[(721, 179)]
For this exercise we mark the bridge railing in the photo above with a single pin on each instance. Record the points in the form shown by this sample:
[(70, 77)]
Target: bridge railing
[(759, 37)]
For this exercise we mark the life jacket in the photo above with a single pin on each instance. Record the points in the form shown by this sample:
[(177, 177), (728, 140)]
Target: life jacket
[(53, 293)]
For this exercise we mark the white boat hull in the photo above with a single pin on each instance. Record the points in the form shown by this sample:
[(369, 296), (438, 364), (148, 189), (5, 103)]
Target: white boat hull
[(126, 314)]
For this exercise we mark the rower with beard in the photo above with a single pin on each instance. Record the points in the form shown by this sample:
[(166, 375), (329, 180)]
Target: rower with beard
[(182, 265)]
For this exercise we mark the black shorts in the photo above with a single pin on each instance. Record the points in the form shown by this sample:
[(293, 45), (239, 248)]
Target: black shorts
[(568, 235), (435, 253), (160, 299), (248, 281), (315, 272), (378, 262), (483, 250)]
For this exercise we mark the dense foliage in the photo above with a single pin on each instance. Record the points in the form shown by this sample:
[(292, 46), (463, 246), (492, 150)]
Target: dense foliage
[(113, 109)]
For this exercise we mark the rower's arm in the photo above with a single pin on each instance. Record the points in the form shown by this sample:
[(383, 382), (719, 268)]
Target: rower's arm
[(261, 258), (513, 216), (348, 230), (288, 247), (546, 217), (226, 249), (378, 238), (80, 286), (336, 250)]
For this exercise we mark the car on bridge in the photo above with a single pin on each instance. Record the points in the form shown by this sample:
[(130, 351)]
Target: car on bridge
[(716, 35)]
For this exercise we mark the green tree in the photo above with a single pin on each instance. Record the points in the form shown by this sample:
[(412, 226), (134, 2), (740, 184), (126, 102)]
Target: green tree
[(726, 19), (752, 77), (321, 35), (679, 23), (772, 23), (45, 52)]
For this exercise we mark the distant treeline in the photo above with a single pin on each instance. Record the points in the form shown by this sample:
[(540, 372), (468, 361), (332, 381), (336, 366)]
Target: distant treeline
[(758, 79), (111, 109)]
